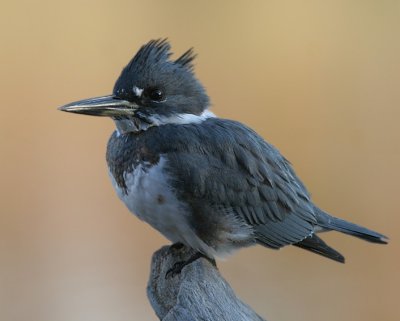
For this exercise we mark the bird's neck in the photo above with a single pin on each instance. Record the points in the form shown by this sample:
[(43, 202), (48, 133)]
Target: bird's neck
[(141, 123)]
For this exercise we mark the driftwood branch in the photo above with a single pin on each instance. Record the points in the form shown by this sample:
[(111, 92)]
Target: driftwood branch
[(198, 293)]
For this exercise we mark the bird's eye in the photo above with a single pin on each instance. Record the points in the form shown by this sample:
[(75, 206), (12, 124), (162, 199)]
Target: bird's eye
[(155, 94)]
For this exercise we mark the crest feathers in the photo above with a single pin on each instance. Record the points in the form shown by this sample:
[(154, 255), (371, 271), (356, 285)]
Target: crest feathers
[(159, 51), (154, 51), (186, 60)]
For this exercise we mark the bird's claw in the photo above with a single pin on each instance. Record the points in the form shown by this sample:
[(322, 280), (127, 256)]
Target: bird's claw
[(176, 269), (178, 266)]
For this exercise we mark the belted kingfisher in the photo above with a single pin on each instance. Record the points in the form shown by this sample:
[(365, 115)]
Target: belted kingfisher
[(211, 184)]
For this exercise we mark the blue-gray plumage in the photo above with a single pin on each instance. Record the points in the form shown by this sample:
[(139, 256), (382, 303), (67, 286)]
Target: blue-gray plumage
[(212, 184)]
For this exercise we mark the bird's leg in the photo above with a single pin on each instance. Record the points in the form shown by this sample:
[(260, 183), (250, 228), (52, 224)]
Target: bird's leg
[(178, 266)]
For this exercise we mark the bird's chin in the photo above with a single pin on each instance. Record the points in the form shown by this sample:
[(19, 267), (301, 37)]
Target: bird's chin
[(131, 125)]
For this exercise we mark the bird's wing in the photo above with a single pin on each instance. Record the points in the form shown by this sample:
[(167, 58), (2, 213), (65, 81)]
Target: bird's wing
[(234, 169)]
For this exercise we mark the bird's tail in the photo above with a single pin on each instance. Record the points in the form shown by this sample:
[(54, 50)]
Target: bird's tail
[(332, 223), (316, 245)]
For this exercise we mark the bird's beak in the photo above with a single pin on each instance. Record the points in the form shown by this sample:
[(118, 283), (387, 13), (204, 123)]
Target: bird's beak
[(110, 106)]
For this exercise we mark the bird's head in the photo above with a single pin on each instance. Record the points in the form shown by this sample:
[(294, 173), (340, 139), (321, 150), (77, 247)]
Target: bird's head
[(152, 90)]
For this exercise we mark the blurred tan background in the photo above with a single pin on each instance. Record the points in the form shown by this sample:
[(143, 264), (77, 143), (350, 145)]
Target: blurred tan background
[(318, 79)]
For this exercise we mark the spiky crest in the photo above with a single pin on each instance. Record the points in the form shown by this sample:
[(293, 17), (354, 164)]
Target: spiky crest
[(159, 50), (186, 60), (152, 52)]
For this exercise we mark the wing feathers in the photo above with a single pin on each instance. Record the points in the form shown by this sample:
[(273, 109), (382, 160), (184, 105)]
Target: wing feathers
[(290, 231), (224, 164)]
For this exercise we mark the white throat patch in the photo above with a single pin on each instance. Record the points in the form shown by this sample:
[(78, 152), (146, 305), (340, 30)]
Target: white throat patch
[(181, 119), (135, 125)]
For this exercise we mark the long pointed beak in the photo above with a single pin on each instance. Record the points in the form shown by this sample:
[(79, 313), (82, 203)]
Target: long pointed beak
[(110, 106)]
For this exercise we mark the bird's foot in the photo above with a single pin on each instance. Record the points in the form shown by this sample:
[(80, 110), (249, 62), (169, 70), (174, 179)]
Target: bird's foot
[(178, 266), (177, 246)]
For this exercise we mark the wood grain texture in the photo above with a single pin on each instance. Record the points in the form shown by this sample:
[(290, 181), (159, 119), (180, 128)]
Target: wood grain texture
[(199, 292)]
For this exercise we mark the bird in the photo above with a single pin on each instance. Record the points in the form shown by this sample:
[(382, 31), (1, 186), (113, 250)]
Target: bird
[(211, 184)]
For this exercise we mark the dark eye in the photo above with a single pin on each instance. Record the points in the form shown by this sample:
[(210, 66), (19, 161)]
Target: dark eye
[(155, 94)]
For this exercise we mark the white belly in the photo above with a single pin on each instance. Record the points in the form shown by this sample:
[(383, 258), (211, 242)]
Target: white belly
[(150, 197)]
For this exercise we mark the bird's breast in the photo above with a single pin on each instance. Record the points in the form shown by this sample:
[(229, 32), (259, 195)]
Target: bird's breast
[(150, 197)]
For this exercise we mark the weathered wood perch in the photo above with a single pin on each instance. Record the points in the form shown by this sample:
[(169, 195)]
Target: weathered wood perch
[(199, 292)]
